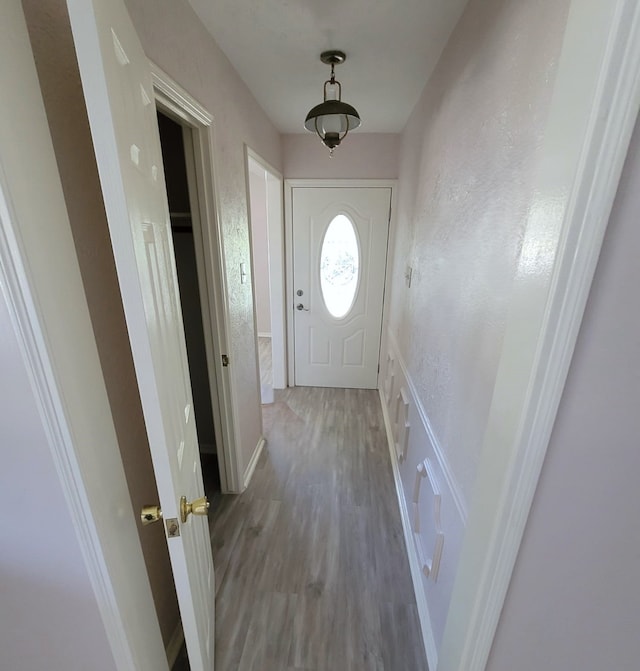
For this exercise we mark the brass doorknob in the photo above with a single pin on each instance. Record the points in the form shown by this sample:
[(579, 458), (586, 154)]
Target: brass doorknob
[(198, 507), (150, 514)]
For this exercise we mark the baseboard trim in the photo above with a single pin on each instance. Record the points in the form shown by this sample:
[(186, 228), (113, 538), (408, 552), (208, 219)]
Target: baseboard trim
[(251, 467), (414, 564), (175, 644)]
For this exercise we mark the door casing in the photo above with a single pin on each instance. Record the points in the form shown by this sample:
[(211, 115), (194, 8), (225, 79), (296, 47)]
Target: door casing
[(289, 185), (171, 98), (275, 223)]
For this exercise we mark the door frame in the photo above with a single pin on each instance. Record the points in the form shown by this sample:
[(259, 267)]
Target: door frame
[(173, 100), (291, 184), (275, 233)]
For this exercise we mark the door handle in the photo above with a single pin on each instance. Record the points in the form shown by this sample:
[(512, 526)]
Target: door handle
[(301, 307), (151, 514), (198, 507)]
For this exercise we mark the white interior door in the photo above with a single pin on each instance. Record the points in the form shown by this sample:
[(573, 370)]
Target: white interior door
[(339, 258), (120, 102)]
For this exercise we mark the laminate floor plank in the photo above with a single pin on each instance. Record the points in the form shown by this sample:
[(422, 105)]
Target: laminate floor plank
[(311, 567), (401, 625), (270, 631)]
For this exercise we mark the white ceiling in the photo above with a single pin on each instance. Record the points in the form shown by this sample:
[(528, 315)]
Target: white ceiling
[(275, 45)]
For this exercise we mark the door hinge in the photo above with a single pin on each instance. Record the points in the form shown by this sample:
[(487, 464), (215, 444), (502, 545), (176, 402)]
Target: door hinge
[(225, 360)]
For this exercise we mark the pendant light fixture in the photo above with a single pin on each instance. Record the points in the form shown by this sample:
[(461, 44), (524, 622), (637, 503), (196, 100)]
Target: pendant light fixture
[(332, 119)]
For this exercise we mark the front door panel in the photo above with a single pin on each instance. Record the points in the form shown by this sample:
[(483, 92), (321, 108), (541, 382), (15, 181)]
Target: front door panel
[(339, 257)]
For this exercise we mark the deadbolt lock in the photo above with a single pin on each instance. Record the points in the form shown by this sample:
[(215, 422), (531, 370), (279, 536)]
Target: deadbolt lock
[(198, 507), (150, 514)]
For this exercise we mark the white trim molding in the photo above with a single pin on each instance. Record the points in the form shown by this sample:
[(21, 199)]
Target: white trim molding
[(174, 96), (415, 566), (402, 425), (430, 565), (443, 463), (253, 462), (255, 164), (429, 497)]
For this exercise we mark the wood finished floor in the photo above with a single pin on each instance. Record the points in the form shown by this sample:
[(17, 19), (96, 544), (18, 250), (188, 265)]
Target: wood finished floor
[(311, 568)]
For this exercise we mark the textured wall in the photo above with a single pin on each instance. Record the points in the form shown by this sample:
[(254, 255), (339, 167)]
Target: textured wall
[(175, 39), (260, 249), (362, 156), (574, 598), (52, 44), (466, 165)]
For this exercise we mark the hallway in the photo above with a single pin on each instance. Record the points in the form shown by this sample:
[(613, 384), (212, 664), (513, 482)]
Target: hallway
[(311, 567)]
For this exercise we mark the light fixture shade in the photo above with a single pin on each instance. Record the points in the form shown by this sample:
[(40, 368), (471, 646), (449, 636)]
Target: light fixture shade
[(332, 119), (332, 116)]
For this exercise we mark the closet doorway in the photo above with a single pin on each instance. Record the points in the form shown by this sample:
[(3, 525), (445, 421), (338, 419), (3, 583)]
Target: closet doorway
[(265, 197), (182, 194)]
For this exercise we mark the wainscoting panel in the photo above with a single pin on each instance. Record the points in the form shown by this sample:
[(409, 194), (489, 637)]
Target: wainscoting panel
[(402, 425), (389, 378), (428, 535), (431, 503)]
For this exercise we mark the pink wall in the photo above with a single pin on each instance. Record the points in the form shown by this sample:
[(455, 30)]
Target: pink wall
[(466, 169), (362, 156), (574, 599), (260, 248)]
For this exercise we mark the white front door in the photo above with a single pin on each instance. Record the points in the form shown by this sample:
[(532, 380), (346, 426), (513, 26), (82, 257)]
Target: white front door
[(339, 258), (122, 114)]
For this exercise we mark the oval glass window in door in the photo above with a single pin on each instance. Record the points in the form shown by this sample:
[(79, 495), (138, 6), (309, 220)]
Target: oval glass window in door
[(339, 266)]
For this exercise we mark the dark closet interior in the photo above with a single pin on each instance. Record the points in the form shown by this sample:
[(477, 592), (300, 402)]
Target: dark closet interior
[(172, 138)]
